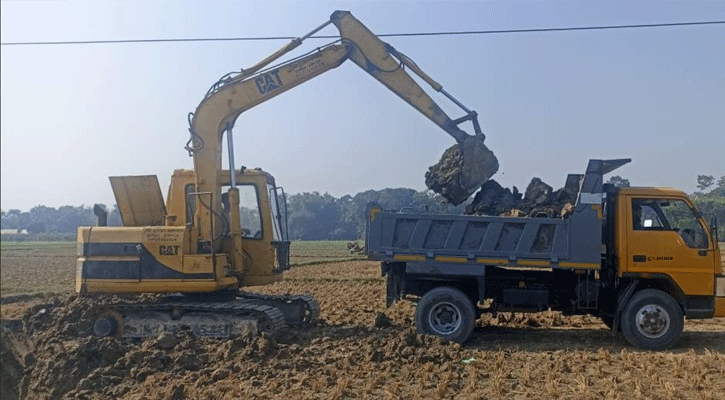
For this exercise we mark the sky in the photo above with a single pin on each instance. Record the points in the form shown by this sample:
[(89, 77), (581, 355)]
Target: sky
[(73, 115)]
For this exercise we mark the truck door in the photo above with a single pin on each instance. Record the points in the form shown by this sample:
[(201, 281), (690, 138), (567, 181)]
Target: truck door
[(665, 236)]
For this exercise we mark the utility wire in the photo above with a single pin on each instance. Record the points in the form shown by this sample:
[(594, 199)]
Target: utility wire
[(449, 33)]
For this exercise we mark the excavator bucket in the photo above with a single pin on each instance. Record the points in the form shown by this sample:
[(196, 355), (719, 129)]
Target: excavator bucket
[(462, 170)]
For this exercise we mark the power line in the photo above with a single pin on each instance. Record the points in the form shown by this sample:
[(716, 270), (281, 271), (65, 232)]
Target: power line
[(448, 33)]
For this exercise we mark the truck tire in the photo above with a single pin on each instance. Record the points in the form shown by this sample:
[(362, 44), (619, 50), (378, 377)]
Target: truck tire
[(652, 320), (445, 312)]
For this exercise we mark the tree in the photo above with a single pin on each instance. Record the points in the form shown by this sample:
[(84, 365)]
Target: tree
[(37, 227), (313, 216), (712, 202), (720, 190), (704, 181), (618, 181), (11, 219)]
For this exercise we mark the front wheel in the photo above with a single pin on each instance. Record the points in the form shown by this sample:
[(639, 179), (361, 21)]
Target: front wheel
[(652, 320), (446, 312)]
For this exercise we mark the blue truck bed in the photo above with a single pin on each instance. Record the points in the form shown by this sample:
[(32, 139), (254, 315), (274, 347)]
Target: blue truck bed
[(455, 244)]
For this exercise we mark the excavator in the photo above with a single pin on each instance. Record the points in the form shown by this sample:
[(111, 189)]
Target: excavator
[(221, 230)]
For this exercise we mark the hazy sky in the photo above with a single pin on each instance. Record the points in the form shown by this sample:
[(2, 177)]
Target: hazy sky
[(74, 115)]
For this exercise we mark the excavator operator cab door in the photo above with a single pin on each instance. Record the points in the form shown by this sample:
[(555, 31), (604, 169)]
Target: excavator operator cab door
[(281, 242), (263, 222), (249, 211)]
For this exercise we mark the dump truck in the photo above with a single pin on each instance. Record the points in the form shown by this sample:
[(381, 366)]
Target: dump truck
[(640, 258)]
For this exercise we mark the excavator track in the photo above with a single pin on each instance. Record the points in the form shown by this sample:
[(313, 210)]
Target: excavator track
[(298, 310), (209, 319)]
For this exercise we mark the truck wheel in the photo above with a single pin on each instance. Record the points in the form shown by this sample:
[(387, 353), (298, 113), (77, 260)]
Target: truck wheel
[(445, 312), (652, 320)]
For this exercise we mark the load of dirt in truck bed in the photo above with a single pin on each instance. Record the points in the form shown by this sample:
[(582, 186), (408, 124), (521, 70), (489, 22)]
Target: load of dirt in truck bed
[(462, 170), (538, 199)]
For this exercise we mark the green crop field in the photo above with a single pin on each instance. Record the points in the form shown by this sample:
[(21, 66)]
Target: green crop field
[(49, 267)]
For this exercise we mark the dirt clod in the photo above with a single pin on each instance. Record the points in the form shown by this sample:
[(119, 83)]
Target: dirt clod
[(177, 392), (166, 341), (382, 321), (539, 199), (461, 170)]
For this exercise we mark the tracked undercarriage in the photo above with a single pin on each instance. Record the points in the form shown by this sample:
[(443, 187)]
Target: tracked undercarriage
[(211, 315)]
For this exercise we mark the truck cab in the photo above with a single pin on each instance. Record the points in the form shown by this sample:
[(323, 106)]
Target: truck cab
[(663, 241)]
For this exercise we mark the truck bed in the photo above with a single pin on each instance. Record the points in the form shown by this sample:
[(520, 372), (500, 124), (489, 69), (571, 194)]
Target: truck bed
[(477, 240), (442, 243)]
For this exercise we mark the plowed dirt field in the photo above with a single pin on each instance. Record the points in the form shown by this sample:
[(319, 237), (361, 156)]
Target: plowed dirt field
[(353, 352)]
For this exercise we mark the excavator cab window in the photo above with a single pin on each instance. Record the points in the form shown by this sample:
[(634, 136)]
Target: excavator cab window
[(249, 214), (190, 203), (278, 204)]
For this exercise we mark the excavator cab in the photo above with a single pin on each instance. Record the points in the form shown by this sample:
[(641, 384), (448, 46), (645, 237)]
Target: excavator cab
[(253, 222), (261, 214)]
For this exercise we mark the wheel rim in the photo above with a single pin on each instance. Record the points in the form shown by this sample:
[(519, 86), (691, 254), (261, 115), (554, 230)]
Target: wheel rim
[(444, 318), (652, 321)]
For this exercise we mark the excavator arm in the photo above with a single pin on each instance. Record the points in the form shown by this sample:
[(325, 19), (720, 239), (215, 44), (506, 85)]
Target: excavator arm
[(232, 95), (386, 64)]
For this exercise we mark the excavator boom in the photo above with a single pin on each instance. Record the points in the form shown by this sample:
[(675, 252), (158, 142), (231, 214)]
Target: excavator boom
[(231, 96)]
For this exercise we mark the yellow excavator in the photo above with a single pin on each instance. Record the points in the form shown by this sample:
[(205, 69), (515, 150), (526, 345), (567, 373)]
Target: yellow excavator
[(224, 229)]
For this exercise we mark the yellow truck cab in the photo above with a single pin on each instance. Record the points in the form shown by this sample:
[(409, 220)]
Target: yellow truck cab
[(662, 239)]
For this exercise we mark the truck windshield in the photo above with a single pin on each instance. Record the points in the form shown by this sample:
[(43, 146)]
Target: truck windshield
[(670, 215)]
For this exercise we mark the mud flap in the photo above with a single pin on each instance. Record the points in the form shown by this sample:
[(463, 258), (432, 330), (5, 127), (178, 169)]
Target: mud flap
[(395, 287), (622, 299)]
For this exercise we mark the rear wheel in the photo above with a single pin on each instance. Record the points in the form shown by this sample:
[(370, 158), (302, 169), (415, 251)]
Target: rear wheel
[(652, 320), (446, 312)]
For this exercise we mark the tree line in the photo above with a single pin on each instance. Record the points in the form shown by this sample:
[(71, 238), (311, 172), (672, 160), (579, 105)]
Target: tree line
[(315, 216), (311, 216)]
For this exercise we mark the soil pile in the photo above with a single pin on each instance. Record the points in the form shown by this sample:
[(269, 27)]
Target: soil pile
[(358, 349), (462, 169), (538, 199)]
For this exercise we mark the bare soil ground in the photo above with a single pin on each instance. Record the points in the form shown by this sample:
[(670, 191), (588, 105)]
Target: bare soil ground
[(352, 352)]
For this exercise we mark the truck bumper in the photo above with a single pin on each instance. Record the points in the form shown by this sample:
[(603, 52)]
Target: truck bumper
[(719, 296), (719, 307)]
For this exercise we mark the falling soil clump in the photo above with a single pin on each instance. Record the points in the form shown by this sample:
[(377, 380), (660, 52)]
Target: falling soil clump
[(462, 169)]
